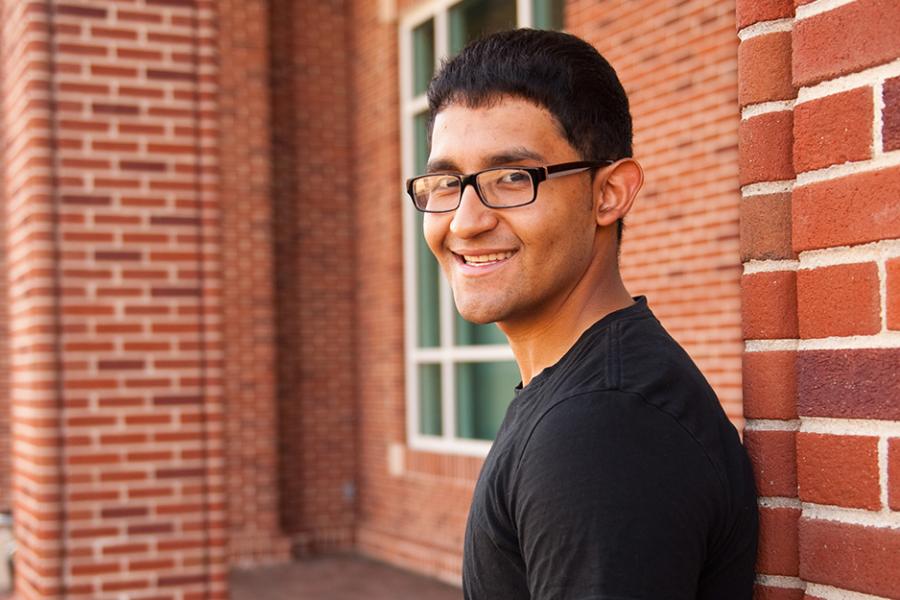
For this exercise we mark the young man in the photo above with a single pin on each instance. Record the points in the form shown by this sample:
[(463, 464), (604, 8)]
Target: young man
[(615, 473)]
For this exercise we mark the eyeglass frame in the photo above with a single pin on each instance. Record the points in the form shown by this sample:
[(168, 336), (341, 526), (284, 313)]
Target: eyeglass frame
[(537, 174)]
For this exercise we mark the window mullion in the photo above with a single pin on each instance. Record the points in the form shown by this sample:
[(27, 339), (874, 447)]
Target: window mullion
[(441, 36), (448, 371), (524, 13)]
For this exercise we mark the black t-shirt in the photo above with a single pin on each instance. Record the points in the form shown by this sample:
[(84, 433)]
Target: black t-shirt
[(614, 475)]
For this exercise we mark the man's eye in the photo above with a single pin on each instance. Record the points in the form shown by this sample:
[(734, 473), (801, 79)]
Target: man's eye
[(447, 183), (514, 178)]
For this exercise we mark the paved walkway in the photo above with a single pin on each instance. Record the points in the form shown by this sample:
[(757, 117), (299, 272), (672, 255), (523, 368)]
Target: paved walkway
[(336, 578), (333, 578)]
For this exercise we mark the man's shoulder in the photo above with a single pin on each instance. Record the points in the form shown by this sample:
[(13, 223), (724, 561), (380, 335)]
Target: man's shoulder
[(620, 450), (606, 416)]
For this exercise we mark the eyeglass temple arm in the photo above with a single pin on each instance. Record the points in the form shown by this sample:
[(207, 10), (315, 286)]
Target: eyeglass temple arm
[(572, 167)]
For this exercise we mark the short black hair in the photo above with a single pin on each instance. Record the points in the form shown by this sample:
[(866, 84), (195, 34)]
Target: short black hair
[(557, 71)]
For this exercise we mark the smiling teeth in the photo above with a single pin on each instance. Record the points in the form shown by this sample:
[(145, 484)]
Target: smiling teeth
[(486, 258)]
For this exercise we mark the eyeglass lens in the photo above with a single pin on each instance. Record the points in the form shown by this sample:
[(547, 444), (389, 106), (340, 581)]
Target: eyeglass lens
[(498, 187)]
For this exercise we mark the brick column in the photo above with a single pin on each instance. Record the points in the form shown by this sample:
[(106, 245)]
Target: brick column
[(820, 171), (248, 285), (31, 234), (112, 228), (314, 234)]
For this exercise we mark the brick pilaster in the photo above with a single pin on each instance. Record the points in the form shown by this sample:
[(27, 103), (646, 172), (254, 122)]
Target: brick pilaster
[(113, 230), (819, 388)]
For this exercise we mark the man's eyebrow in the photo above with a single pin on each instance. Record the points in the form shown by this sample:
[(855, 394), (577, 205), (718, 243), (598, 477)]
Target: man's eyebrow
[(511, 156), (438, 165)]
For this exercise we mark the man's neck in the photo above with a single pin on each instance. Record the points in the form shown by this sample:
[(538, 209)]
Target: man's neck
[(541, 341)]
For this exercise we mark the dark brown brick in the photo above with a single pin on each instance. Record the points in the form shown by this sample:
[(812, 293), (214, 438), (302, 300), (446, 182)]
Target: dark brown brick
[(890, 131), (852, 384), (80, 11)]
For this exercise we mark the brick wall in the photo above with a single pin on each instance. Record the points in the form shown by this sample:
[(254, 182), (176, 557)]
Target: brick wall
[(5, 408), (820, 173), (248, 285), (113, 237), (28, 203), (312, 174)]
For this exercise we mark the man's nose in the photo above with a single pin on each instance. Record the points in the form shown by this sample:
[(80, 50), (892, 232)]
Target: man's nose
[(472, 217)]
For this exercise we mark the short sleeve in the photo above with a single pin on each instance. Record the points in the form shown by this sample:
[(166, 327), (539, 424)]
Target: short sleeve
[(613, 499)]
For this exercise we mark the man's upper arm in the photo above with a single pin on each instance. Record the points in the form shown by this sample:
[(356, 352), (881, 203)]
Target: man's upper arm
[(613, 499)]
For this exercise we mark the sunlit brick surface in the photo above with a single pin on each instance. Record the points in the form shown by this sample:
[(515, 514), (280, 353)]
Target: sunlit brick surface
[(113, 237), (821, 387)]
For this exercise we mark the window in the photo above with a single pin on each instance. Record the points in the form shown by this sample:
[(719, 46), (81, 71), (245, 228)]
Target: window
[(460, 376)]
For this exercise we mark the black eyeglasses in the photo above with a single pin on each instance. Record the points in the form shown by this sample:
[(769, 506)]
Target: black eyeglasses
[(498, 187)]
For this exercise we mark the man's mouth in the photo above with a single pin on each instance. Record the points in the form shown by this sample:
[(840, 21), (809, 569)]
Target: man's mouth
[(485, 260)]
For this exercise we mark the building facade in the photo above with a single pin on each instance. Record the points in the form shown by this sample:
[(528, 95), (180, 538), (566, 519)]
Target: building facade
[(227, 344)]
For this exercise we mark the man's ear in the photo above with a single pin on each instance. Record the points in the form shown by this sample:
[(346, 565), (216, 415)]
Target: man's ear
[(615, 188)]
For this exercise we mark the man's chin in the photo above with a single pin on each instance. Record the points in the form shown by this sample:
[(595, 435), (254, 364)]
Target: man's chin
[(480, 315)]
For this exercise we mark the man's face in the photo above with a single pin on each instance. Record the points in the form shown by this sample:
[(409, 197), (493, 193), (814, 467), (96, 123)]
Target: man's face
[(513, 264)]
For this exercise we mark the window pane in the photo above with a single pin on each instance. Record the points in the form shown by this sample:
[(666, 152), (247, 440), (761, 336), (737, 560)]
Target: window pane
[(483, 391), (548, 14), (423, 56), (468, 334), (430, 400), (427, 299), (471, 19)]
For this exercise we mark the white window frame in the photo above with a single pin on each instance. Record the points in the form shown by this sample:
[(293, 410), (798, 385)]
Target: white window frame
[(445, 355)]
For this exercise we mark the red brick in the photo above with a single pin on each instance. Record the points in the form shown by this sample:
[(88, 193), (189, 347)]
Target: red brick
[(766, 227), (846, 39), (765, 145), (890, 130), (839, 300), (894, 473), (838, 470), (773, 455), (770, 385), (893, 293), (80, 11), (851, 557), (764, 69), (748, 12), (851, 210), (765, 592), (778, 549), (833, 130), (768, 305), (94, 568), (850, 384)]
